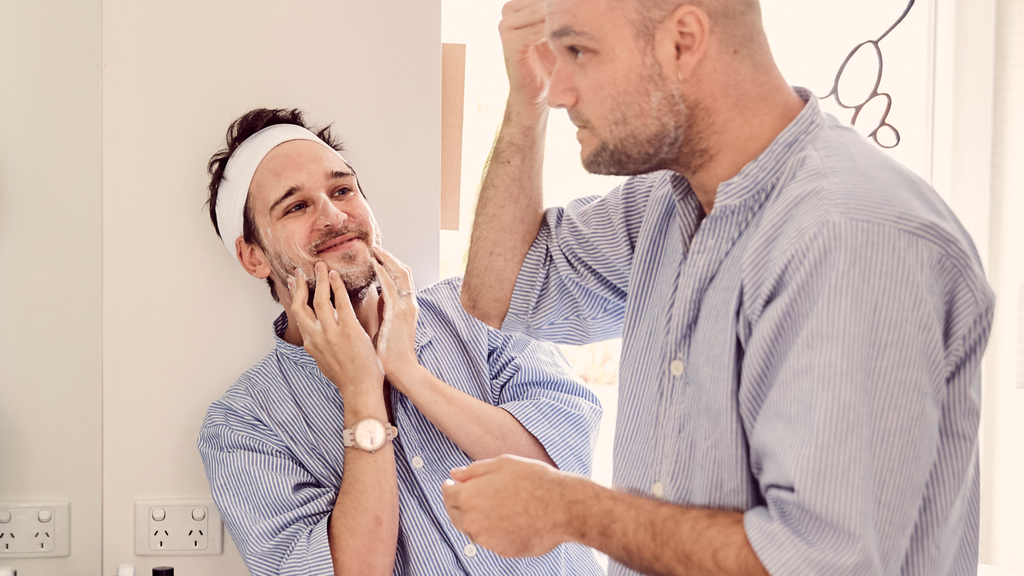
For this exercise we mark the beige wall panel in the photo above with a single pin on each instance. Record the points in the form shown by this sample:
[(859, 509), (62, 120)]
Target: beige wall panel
[(50, 254), (181, 319), (453, 96)]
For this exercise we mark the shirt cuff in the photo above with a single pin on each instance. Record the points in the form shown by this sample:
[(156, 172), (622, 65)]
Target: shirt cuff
[(528, 283), (784, 551), (316, 559), (569, 443)]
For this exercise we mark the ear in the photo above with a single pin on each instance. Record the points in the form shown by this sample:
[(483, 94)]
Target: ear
[(252, 258), (682, 41)]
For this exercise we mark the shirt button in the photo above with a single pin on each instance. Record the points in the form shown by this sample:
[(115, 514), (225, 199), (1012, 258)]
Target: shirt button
[(658, 489), (676, 367), (417, 462), (469, 550)]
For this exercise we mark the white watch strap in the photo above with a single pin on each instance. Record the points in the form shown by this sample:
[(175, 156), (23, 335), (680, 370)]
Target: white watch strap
[(348, 435)]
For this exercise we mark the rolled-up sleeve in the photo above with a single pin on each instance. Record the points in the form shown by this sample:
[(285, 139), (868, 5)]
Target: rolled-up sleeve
[(534, 383), (572, 286), (866, 365), (276, 512)]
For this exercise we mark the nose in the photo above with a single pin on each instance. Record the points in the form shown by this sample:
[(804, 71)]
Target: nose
[(328, 215), (561, 90)]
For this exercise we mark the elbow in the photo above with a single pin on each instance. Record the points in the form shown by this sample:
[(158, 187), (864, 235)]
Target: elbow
[(479, 309)]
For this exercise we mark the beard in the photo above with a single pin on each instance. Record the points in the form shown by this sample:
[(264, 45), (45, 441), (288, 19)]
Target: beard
[(651, 129), (356, 272)]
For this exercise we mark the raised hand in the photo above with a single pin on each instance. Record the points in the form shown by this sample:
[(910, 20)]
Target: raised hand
[(396, 337), (333, 336), (513, 506), (528, 58)]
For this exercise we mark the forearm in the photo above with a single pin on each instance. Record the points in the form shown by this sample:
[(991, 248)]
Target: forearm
[(509, 212), (479, 429), (363, 531), (658, 538)]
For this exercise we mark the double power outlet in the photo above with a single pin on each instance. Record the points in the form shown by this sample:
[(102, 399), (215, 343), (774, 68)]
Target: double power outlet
[(177, 528), (34, 529)]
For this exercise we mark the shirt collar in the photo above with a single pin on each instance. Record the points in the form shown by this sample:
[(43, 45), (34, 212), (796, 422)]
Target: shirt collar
[(299, 355), (764, 170)]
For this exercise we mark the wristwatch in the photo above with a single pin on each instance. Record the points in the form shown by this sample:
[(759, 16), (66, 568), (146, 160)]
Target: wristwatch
[(369, 434)]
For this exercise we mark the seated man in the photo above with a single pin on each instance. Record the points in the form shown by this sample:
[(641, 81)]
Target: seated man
[(327, 457)]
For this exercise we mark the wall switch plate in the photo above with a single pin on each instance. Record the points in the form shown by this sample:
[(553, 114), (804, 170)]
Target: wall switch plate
[(178, 528), (35, 529)]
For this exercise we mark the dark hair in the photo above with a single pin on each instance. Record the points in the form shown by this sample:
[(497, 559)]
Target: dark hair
[(245, 126)]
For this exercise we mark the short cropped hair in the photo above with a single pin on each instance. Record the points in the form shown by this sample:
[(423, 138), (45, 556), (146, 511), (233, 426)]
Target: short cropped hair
[(245, 126), (732, 16)]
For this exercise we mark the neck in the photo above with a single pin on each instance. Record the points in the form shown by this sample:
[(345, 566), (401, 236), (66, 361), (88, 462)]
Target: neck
[(366, 310), (741, 119)]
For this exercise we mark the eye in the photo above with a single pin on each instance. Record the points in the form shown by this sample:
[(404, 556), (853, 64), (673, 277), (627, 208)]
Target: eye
[(297, 207), (344, 190), (575, 51)]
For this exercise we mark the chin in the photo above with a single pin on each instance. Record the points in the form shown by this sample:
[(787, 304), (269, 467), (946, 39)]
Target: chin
[(357, 279), (355, 274)]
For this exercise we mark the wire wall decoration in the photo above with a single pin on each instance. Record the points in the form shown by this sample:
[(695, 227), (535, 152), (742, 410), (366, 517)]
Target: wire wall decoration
[(889, 132)]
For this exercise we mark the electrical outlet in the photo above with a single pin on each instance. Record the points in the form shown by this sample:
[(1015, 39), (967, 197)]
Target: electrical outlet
[(168, 528), (35, 529), (178, 528)]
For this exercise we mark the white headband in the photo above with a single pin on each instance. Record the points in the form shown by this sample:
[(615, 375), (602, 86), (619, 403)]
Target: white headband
[(234, 188)]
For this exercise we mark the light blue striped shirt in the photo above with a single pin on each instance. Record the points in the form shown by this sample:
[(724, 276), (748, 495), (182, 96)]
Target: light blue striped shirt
[(809, 353), (273, 452)]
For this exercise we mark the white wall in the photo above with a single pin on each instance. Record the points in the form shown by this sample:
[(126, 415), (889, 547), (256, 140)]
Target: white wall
[(50, 283), (181, 319)]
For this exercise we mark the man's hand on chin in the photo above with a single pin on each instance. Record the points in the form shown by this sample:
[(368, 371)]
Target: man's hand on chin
[(333, 336), (396, 337), (513, 506)]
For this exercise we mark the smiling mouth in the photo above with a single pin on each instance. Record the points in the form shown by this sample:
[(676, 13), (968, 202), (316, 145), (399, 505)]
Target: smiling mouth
[(339, 243)]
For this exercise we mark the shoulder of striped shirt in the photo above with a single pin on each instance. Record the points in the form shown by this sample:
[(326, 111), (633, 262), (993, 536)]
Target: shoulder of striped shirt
[(922, 214)]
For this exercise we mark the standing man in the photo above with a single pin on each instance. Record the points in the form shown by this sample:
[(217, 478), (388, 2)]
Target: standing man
[(325, 458), (803, 319)]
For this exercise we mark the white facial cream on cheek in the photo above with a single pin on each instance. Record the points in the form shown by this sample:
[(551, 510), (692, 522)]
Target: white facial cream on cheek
[(284, 262)]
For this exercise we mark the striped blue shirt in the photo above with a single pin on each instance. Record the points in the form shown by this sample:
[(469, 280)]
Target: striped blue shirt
[(273, 452), (808, 353)]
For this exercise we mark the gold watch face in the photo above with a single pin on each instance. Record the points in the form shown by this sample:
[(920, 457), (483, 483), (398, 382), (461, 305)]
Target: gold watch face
[(369, 434)]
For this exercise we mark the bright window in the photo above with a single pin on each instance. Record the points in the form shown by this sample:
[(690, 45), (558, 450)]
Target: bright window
[(475, 23)]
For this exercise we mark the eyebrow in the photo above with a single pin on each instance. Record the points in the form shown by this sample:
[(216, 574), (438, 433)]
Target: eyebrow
[(334, 175), (566, 31), (288, 194)]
